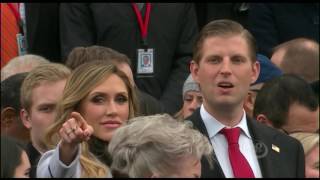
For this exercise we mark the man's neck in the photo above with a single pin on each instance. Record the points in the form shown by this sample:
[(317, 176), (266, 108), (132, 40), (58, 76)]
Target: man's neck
[(228, 115), (40, 147)]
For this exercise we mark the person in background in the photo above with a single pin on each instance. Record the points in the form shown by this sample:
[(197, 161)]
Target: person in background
[(42, 30), (11, 123), (268, 71), (30, 28), (192, 98), (98, 98), (299, 56), (310, 143), (21, 64), (207, 12), (158, 146), (163, 31), (14, 160), (224, 65), (288, 104), (79, 55), (274, 23), (40, 92)]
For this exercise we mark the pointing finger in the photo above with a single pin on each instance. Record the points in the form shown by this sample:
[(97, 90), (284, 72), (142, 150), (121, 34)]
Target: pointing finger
[(80, 120)]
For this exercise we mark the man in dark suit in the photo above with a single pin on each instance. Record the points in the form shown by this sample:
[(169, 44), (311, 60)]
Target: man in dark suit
[(42, 27), (224, 64), (171, 31), (275, 23)]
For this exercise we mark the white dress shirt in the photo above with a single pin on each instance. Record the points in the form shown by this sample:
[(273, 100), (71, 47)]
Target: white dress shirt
[(220, 144)]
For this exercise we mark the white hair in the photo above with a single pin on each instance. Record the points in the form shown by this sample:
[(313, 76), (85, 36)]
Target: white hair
[(21, 64), (154, 145)]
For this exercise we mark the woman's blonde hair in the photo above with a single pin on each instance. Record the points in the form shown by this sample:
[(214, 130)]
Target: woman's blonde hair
[(81, 82), (154, 145)]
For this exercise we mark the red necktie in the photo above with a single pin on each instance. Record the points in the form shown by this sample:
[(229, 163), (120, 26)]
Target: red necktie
[(240, 166), (9, 30)]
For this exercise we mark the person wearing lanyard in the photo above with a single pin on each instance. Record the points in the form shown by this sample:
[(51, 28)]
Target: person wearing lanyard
[(35, 30), (12, 34), (162, 34), (42, 29)]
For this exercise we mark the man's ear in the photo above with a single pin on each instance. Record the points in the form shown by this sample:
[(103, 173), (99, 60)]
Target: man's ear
[(249, 102), (8, 117), (194, 69), (25, 118), (255, 71), (264, 120)]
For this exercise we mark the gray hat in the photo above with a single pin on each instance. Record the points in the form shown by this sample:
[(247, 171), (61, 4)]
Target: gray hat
[(190, 85)]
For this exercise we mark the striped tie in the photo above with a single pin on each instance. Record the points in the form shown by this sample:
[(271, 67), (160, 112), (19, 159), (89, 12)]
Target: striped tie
[(9, 30)]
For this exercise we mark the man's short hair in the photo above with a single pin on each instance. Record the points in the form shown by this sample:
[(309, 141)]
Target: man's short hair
[(10, 91), (276, 96), (80, 55), (51, 72), (222, 28), (301, 57)]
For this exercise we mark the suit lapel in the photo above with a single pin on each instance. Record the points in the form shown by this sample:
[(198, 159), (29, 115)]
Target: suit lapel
[(262, 141), (206, 172)]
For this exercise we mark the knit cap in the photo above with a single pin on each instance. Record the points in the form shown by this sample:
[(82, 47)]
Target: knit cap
[(190, 85)]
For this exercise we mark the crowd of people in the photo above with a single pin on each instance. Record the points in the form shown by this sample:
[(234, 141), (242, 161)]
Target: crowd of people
[(160, 90)]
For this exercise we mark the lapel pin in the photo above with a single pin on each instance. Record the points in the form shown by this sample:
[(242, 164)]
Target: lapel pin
[(275, 148)]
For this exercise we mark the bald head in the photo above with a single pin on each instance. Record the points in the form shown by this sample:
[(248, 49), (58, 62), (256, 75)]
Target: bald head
[(299, 56)]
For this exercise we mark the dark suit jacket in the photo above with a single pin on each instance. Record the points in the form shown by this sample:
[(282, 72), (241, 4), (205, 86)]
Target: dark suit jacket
[(43, 35), (274, 23), (289, 162), (171, 32)]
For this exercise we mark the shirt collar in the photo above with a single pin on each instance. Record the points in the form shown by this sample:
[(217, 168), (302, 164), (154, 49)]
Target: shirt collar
[(214, 126)]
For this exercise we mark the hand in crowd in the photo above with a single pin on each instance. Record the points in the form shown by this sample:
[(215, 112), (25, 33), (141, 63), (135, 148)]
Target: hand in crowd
[(74, 131)]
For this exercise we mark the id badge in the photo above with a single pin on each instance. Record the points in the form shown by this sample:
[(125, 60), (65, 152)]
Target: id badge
[(22, 45), (145, 62)]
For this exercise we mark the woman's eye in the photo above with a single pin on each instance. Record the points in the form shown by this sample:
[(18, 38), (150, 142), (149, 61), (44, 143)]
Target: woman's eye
[(121, 99), (188, 99), (98, 99)]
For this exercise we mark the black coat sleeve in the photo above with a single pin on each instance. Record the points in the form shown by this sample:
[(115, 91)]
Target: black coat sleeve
[(263, 28), (172, 95), (76, 27)]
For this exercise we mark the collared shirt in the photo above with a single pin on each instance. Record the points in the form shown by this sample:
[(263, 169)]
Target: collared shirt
[(220, 144)]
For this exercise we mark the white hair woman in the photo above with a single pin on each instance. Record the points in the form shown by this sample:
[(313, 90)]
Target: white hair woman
[(158, 146)]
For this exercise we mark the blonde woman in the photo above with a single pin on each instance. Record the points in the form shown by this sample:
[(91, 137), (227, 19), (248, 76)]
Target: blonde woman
[(158, 146), (97, 99)]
